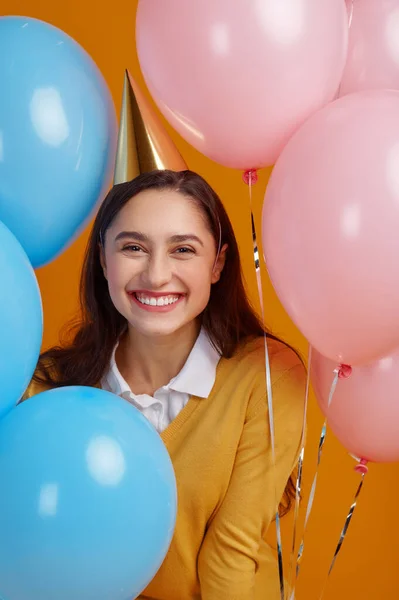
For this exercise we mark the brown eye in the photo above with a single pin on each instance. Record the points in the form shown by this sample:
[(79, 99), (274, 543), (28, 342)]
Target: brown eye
[(185, 250), (131, 248)]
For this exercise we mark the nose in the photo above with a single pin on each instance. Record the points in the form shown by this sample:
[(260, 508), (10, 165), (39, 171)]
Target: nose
[(158, 271)]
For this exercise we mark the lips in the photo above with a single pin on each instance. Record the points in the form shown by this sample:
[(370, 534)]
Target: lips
[(156, 301)]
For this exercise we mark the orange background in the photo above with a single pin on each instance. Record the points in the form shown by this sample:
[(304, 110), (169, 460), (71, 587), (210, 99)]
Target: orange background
[(366, 568)]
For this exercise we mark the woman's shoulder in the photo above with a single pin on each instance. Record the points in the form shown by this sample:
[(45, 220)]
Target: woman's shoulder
[(41, 380), (244, 377), (250, 357), (34, 388), (288, 379)]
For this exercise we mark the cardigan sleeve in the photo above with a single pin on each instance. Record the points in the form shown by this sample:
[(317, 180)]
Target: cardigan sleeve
[(228, 559)]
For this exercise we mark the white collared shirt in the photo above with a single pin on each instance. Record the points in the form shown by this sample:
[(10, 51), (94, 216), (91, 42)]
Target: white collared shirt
[(196, 378)]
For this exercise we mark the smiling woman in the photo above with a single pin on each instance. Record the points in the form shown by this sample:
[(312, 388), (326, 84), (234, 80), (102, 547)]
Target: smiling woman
[(166, 325), (163, 259)]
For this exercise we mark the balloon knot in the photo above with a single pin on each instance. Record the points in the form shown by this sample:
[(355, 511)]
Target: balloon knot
[(362, 467), (250, 176), (344, 372)]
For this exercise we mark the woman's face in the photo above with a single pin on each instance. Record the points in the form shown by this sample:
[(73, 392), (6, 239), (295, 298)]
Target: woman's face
[(159, 260)]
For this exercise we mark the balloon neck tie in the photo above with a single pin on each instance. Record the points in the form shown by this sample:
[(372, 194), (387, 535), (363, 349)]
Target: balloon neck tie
[(362, 467), (250, 176), (344, 371)]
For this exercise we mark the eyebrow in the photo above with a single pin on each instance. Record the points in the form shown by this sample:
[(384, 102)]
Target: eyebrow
[(142, 237)]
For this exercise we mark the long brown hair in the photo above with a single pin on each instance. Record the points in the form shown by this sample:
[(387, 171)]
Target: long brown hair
[(85, 357)]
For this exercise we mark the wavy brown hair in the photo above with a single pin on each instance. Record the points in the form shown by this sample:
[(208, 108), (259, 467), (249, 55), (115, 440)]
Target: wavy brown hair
[(84, 357)]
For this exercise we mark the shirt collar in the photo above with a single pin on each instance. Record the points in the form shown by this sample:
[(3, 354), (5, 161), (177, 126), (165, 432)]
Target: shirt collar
[(113, 380), (198, 374), (196, 378)]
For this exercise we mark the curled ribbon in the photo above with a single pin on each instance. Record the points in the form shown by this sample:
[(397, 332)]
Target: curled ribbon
[(337, 375), (362, 469)]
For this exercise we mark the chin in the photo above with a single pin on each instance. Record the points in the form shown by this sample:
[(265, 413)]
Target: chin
[(160, 331)]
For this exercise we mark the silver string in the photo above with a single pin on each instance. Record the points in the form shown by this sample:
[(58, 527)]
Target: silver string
[(351, 14), (219, 245), (268, 390), (298, 487)]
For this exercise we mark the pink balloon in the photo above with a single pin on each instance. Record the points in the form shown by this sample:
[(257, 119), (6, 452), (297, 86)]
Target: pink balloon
[(236, 77), (350, 5), (373, 52), (331, 227), (364, 411)]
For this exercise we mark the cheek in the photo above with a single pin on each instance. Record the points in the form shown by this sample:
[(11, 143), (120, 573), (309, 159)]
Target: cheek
[(119, 272), (199, 281)]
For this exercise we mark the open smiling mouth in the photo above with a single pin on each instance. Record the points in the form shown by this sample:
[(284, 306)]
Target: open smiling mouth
[(165, 302)]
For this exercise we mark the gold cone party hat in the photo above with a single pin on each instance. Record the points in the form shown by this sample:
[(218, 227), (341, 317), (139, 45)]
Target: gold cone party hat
[(143, 142)]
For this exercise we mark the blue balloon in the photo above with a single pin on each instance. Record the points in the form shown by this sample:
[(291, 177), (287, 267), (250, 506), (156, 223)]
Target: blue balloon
[(88, 498), (57, 136), (21, 320)]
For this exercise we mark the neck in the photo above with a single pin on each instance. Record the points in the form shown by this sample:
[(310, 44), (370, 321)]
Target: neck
[(148, 363)]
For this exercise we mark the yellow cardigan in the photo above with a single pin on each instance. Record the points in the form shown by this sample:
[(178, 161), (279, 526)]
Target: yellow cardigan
[(220, 449)]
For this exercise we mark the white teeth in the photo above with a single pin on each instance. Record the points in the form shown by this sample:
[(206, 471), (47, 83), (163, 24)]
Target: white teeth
[(160, 301)]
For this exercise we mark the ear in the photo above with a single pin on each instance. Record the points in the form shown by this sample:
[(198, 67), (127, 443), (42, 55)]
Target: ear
[(219, 264), (102, 260)]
